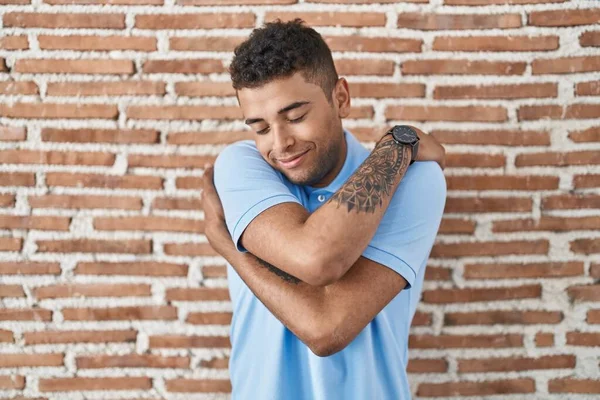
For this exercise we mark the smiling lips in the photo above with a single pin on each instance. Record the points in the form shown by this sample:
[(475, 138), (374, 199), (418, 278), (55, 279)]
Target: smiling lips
[(292, 162)]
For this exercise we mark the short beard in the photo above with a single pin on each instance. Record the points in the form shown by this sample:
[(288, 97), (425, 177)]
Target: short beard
[(322, 167)]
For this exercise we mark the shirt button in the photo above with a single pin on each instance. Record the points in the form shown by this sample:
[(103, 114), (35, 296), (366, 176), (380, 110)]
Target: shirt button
[(321, 198)]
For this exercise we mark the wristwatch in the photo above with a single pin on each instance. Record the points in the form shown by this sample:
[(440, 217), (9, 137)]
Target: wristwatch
[(404, 134)]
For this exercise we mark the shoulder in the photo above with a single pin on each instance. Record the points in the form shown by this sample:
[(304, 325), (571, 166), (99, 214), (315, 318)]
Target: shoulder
[(235, 151), (422, 188)]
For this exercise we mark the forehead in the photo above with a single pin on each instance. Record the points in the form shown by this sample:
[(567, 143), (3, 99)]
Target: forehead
[(274, 95)]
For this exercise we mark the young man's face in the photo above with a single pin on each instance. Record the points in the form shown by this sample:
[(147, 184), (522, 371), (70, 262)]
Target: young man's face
[(297, 131)]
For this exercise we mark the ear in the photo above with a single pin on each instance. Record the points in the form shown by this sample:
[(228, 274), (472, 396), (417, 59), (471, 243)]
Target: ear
[(341, 97)]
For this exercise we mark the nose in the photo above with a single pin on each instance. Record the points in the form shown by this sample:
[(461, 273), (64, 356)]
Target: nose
[(282, 140)]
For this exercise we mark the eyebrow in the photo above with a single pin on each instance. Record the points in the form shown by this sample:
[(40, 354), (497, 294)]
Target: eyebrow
[(285, 109)]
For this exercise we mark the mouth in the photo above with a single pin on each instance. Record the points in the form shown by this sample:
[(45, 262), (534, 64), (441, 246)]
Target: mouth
[(294, 161)]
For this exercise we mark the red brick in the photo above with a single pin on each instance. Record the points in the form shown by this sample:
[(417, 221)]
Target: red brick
[(216, 271), (444, 113), (365, 1), (54, 110), (204, 89), (16, 42), (521, 91), (131, 361), (189, 249), (131, 268), (189, 182), (573, 385), (104, 181), (187, 66), (453, 250), (8, 382), (462, 67), (18, 87), (209, 318), (6, 336), (346, 19), (12, 134), (218, 363), (526, 270), (465, 341), (86, 66), (206, 43), (583, 339), (585, 246), (233, 2), (565, 65), (104, 383), (95, 246), (91, 290), (168, 161), (80, 336), (590, 39), (431, 21), (558, 159), (584, 292), (437, 273), (571, 202), (3, 67), (63, 21), (475, 160), (136, 313), (421, 319), (149, 223), (360, 67), (7, 200), (179, 341), (593, 317), (177, 203), (501, 182), (563, 17), (591, 88), (456, 225), (544, 339), (387, 90), (468, 295), (373, 44), (108, 2), (197, 294), (527, 113), (588, 135), (496, 43), (586, 181), (56, 157), (553, 224), (501, 317), (195, 21), (583, 111), (35, 222), (23, 314), (120, 88), (181, 385), (10, 244), (31, 360), (487, 204), (507, 364), (11, 291), (29, 268), (85, 202), (190, 113), (479, 388), (491, 2), (97, 43), (426, 365)]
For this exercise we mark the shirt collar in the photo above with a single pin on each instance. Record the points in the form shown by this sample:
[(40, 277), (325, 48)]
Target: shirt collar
[(355, 155)]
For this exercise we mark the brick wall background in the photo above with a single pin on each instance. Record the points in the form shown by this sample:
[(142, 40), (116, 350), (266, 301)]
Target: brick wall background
[(110, 108)]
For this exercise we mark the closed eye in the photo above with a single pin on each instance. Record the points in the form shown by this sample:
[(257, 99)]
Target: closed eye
[(294, 121)]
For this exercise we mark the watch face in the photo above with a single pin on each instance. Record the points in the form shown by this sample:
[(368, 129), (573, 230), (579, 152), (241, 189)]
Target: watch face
[(404, 134)]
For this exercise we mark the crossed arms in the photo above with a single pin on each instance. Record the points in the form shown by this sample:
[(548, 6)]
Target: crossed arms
[(329, 292)]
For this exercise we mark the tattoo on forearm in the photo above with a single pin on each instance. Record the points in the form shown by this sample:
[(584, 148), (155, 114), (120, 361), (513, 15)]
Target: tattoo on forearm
[(282, 274), (374, 179)]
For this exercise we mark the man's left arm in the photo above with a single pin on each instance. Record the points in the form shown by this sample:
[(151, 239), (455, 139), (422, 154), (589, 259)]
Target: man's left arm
[(328, 318)]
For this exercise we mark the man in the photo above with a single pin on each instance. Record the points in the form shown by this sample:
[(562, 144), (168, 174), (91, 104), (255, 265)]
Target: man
[(329, 242)]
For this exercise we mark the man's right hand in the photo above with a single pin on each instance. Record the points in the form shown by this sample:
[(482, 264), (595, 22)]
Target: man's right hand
[(430, 149)]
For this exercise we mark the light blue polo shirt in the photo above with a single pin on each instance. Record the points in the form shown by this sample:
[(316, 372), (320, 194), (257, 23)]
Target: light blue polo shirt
[(268, 362)]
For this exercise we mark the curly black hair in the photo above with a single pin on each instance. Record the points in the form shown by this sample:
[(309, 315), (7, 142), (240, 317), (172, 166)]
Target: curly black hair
[(280, 49)]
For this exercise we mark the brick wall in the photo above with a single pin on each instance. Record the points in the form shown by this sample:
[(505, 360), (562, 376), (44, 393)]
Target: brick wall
[(110, 108)]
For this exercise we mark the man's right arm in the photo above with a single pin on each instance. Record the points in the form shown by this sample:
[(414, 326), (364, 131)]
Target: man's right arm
[(319, 248)]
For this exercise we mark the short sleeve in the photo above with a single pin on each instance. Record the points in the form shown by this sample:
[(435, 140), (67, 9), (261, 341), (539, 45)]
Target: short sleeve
[(409, 226), (247, 185)]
